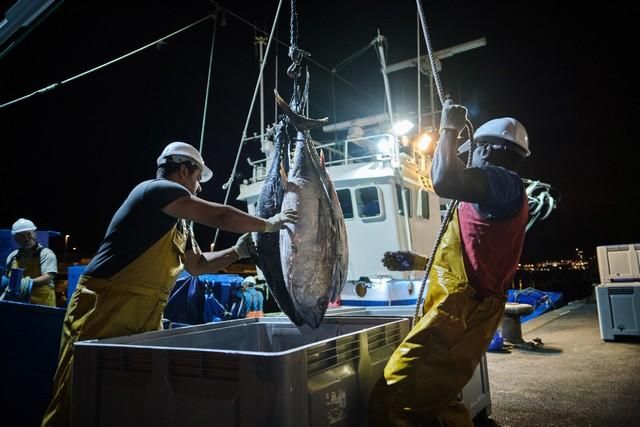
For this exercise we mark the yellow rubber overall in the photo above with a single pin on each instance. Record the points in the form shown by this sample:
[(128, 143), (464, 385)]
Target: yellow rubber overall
[(42, 295), (130, 302), (428, 370)]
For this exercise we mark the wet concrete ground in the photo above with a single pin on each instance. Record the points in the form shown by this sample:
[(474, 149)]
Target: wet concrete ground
[(576, 379)]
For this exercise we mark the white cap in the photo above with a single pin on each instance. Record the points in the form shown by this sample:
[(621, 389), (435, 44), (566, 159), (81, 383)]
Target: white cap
[(178, 152), (249, 280), (21, 226), (506, 128)]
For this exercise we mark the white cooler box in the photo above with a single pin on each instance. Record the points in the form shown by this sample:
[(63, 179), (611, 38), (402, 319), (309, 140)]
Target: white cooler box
[(618, 294)]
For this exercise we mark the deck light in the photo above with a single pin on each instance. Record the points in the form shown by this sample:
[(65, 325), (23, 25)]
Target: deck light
[(402, 127), (424, 142)]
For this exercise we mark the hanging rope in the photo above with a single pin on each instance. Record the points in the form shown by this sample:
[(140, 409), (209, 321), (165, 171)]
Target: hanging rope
[(452, 206), (227, 185), (432, 61), (106, 64)]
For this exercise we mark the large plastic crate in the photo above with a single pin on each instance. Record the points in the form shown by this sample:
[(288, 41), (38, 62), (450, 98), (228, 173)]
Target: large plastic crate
[(476, 394), (248, 372)]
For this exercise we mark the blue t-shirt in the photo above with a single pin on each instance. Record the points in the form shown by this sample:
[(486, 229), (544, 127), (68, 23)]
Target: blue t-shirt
[(137, 225), (505, 193)]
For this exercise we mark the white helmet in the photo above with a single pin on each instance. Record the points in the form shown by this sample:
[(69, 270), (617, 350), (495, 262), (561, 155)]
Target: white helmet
[(178, 152), (21, 226), (506, 128), (249, 280)]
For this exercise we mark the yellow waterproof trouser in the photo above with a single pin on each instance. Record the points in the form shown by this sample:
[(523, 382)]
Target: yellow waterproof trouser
[(439, 355), (130, 302)]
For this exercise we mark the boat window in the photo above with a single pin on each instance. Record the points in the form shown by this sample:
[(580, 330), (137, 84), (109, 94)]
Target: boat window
[(407, 193), (344, 196), (423, 204), (368, 199)]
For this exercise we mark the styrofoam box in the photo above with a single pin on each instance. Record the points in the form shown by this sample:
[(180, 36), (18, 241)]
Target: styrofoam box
[(248, 372), (619, 263)]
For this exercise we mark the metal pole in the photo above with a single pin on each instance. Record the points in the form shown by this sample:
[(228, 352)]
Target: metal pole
[(395, 160), (419, 70), (261, 41)]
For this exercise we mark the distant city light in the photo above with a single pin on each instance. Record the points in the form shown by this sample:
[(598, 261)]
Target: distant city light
[(402, 127)]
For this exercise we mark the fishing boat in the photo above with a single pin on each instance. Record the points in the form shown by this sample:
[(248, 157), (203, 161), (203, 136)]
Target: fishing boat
[(381, 171)]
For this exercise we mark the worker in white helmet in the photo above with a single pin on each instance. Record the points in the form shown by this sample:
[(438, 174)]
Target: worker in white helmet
[(39, 265), (253, 300), (146, 246), (472, 268)]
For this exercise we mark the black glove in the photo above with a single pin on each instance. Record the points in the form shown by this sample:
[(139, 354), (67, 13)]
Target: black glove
[(453, 116), (404, 261)]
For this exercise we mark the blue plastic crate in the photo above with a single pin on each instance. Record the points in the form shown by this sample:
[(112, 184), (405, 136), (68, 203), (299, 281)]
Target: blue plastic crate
[(73, 275), (31, 341)]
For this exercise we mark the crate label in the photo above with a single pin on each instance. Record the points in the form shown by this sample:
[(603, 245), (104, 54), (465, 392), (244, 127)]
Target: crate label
[(336, 403)]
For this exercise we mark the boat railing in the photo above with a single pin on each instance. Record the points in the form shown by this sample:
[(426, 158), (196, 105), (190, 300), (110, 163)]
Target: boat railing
[(341, 152)]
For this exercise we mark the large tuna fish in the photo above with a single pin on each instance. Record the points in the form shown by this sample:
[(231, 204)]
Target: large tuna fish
[(313, 251), (269, 204)]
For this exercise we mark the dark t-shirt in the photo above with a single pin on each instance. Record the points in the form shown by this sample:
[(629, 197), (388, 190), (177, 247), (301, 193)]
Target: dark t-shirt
[(505, 193), (136, 226)]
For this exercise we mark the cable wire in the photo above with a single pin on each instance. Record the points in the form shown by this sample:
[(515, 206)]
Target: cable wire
[(227, 185), (106, 64), (206, 96)]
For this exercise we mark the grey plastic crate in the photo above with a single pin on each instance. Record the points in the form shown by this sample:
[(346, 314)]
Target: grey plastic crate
[(249, 372)]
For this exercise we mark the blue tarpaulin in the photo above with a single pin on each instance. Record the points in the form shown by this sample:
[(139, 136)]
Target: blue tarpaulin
[(205, 298), (542, 301)]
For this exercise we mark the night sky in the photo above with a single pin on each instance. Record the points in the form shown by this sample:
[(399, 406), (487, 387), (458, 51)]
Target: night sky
[(72, 155)]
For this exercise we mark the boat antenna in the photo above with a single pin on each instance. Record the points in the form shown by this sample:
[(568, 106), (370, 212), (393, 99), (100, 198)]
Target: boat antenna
[(227, 185), (454, 203)]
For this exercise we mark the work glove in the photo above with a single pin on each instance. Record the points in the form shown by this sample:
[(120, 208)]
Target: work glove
[(245, 247), (278, 221), (404, 261), (453, 116), (25, 288)]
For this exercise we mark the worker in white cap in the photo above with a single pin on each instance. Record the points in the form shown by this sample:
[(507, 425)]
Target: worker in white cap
[(472, 268), (39, 265), (146, 246)]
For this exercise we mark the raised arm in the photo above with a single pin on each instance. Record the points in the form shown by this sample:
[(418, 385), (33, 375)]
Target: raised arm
[(451, 179)]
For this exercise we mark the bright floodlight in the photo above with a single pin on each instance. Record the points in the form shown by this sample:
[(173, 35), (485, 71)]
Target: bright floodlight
[(385, 145), (423, 142), (402, 127)]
